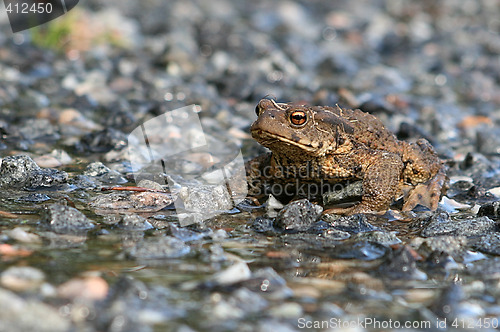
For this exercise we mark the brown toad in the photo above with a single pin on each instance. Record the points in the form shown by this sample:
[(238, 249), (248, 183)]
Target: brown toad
[(317, 149)]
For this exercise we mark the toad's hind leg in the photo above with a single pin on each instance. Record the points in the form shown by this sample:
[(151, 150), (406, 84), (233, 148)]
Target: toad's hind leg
[(380, 184)]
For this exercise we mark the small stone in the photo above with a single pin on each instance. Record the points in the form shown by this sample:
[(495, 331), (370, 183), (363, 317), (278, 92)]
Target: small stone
[(273, 206), (353, 224), (247, 300), (18, 314), (267, 281), (55, 159), (442, 224), (362, 250), (298, 215), (103, 173), (495, 192), (83, 182), (136, 202), (263, 225), (104, 141), (144, 183), (438, 261), (454, 246), (206, 199), (185, 234), (489, 243), (219, 235), (384, 238), (22, 235), (21, 172), (134, 222), (490, 210), (64, 219), (488, 140), (159, 248), (287, 311), (21, 278), (233, 274), (451, 205), (335, 234), (96, 169), (89, 288)]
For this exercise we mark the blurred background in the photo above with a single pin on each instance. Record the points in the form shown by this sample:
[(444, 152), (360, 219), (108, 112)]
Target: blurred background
[(72, 90)]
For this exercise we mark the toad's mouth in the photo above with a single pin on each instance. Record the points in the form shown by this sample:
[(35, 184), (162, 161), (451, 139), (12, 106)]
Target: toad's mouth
[(268, 139)]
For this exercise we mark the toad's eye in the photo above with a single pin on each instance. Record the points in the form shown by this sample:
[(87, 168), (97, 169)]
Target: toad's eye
[(298, 117), (257, 110)]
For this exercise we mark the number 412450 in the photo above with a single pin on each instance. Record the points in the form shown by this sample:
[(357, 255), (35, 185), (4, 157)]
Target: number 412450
[(25, 8)]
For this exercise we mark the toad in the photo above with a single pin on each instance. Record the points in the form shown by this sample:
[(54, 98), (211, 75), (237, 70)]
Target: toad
[(319, 149)]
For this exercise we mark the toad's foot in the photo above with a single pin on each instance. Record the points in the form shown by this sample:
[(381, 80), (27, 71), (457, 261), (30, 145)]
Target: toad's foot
[(427, 194)]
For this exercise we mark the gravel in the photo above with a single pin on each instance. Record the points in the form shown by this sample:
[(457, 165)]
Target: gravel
[(68, 103)]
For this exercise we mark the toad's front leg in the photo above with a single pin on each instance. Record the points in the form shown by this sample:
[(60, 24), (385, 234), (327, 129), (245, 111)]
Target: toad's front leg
[(381, 175), (429, 193)]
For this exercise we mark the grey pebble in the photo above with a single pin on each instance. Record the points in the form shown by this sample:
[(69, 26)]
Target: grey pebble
[(21, 172), (64, 219), (159, 248)]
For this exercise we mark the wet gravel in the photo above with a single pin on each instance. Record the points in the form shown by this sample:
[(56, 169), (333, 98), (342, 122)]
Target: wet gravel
[(77, 254)]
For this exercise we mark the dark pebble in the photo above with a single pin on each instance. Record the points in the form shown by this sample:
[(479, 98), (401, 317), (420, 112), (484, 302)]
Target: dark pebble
[(353, 224), (159, 248), (103, 141), (442, 224), (318, 227), (362, 250), (459, 187), (298, 216), (21, 172), (263, 225), (438, 261), (488, 141), (489, 244), (83, 182), (407, 131), (490, 210), (64, 219)]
